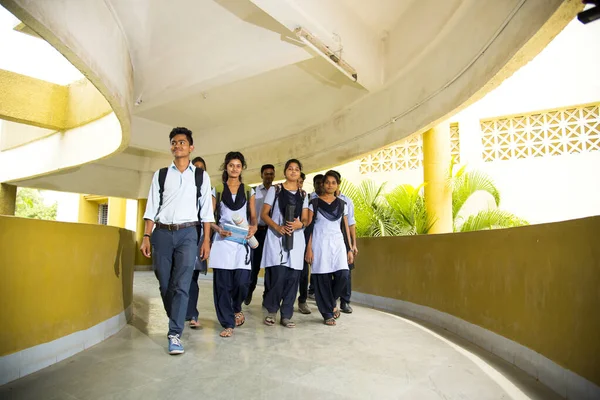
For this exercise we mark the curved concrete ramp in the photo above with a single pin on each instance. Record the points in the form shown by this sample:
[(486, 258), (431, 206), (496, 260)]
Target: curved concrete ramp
[(369, 355)]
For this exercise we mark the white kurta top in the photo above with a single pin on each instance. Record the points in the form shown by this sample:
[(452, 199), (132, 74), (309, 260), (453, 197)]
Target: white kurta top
[(329, 249), (273, 252), (225, 254)]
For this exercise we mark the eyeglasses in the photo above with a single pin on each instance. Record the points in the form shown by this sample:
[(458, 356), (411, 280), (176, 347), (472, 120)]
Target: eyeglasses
[(180, 142)]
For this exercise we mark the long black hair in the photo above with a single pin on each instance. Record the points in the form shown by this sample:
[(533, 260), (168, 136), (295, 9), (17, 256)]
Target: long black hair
[(334, 174), (232, 155), (199, 159), (292, 161)]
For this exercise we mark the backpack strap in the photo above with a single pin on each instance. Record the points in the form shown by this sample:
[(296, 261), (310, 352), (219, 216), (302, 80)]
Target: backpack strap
[(199, 181), (277, 191), (343, 227), (162, 177), (315, 204), (248, 194), (218, 194), (199, 176)]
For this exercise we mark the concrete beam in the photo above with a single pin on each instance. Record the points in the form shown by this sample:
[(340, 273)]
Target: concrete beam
[(35, 102), (84, 104), (334, 25), (32, 101)]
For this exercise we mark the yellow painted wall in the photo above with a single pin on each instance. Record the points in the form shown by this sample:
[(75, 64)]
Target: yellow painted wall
[(117, 209), (57, 278), (141, 209), (537, 285), (88, 211)]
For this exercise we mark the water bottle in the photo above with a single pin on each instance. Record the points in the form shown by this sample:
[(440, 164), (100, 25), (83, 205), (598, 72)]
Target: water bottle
[(239, 221), (288, 241)]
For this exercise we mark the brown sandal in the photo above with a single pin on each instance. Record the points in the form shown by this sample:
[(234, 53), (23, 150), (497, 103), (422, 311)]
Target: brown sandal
[(287, 323), (194, 324), (329, 322), (227, 332), (270, 320), (336, 313), (239, 319)]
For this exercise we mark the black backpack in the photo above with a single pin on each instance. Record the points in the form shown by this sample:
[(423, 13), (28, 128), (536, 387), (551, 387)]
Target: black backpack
[(162, 177)]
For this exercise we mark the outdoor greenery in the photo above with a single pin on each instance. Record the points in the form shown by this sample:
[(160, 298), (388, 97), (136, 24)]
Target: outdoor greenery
[(402, 210), (30, 204)]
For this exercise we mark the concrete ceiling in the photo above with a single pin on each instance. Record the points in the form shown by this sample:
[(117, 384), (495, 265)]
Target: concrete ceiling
[(236, 76), (234, 73)]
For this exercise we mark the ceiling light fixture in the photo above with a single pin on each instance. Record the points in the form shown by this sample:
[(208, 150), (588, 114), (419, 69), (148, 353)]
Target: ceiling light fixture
[(320, 48)]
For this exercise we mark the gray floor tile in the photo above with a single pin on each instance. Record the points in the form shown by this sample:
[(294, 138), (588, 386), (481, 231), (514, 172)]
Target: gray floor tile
[(368, 355)]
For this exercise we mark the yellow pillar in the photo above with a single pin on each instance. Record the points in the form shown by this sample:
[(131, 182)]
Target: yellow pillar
[(8, 199), (117, 211), (139, 233), (88, 211), (436, 164)]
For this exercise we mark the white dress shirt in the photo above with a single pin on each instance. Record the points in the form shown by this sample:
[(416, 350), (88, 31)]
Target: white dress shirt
[(179, 198), (350, 204), (259, 200)]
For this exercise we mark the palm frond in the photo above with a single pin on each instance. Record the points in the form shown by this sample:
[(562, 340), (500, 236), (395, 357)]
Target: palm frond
[(466, 183), (492, 219), (407, 207), (370, 209)]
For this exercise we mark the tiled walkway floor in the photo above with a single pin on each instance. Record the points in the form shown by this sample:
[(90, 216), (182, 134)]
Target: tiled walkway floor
[(369, 355)]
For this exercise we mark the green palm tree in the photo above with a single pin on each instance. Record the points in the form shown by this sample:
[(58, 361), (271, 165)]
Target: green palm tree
[(407, 207), (371, 211), (464, 184), (402, 211), (491, 219)]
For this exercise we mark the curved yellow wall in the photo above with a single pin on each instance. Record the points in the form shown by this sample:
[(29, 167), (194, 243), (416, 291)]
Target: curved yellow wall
[(58, 278), (535, 285)]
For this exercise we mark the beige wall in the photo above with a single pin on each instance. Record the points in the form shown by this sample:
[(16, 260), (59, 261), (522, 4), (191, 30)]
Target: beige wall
[(13, 134), (536, 285)]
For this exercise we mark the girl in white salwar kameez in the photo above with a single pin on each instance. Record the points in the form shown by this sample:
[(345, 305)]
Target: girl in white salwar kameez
[(284, 266), (326, 250), (230, 260)]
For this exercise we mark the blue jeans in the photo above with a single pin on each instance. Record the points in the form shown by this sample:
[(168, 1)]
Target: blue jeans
[(173, 257), (192, 308)]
